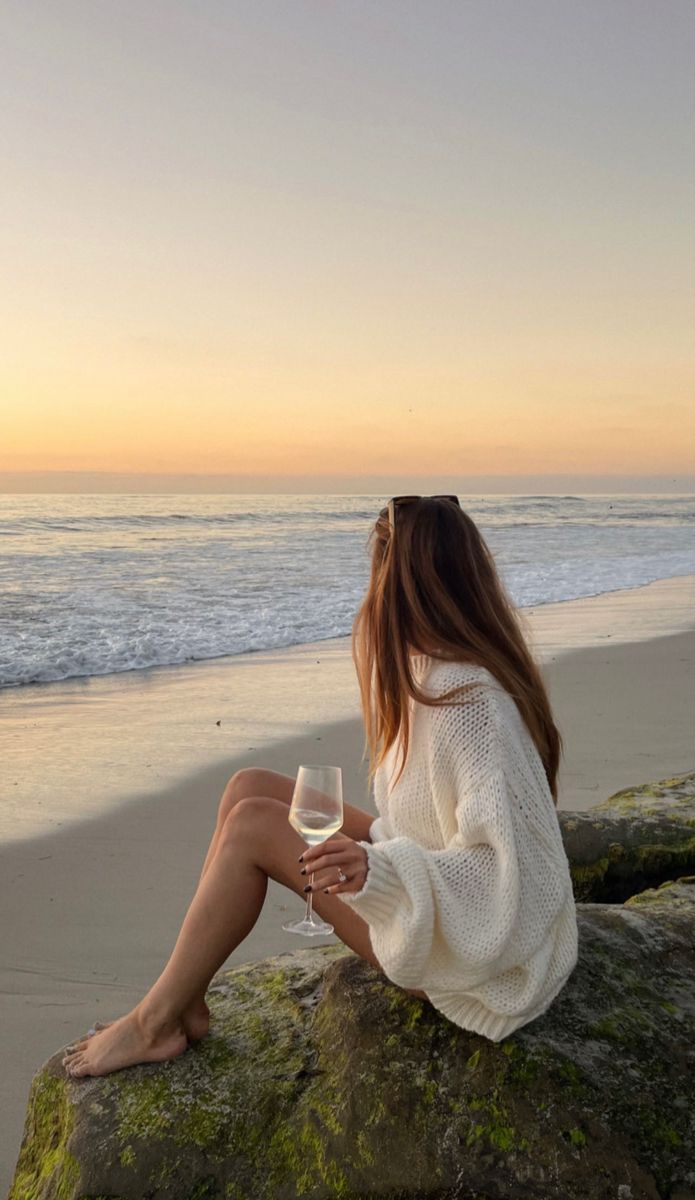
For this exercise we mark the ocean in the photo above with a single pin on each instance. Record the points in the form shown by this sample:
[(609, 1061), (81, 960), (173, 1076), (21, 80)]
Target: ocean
[(95, 584)]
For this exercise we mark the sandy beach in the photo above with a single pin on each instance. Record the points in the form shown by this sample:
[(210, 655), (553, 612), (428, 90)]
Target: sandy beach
[(92, 896)]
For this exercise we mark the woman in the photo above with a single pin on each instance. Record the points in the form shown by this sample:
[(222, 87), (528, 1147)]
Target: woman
[(460, 890)]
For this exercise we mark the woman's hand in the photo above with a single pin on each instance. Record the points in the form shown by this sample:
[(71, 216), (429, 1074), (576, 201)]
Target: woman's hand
[(337, 853)]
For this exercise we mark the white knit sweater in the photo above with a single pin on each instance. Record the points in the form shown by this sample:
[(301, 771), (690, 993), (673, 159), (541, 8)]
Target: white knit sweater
[(468, 895)]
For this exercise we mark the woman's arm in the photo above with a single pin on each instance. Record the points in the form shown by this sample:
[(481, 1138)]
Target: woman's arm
[(356, 823)]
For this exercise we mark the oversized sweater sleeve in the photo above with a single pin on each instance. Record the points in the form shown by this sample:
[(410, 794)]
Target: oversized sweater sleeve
[(458, 905)]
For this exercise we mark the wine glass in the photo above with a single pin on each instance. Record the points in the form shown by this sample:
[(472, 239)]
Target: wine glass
[(316, 812)]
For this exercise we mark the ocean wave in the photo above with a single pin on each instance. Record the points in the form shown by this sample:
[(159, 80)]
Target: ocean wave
[(157, 586), (138, 520)]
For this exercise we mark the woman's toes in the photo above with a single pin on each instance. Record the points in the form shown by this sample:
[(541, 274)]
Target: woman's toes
[(97, 1027)]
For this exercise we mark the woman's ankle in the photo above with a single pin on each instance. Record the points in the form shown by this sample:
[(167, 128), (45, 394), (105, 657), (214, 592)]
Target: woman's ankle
[(156, 1018), (198, 1004)]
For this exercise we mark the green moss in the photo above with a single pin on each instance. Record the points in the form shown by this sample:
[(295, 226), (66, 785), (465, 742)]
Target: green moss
[(165, 1175), (145, 1102), (301, 1152), (275, 985), (634, 797), (408, 1008), (44, 1160), (576, 1137), (654, 896), (205, 1190), (666, 792), (364, 1149), (127, 1157), (500, 1136), (573, 1083), (524, 1068), (676, 782), (656, 1130), (376, 1113), (587, 877), (275, 1035), (607, 1027), (658, 859), (496, 1130), (666, 1133), (622, 1024)]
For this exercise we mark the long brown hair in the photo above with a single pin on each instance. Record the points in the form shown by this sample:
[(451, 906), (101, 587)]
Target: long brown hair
[(434, 589)]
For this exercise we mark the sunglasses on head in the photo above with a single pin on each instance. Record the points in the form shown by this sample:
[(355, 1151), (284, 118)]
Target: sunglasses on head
[(399, 500)]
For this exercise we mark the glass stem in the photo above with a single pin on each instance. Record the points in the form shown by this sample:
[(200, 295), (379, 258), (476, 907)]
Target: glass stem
[(309, 901)]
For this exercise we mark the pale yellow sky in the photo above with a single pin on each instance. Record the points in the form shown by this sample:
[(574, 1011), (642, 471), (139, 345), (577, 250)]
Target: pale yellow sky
[(351, 240)]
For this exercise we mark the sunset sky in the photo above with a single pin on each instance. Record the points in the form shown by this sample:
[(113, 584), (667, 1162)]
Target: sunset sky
[(354, 239)]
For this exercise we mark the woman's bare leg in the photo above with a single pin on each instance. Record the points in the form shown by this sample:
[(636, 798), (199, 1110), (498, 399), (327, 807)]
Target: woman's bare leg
[(258, 781), (255, 843), (249, 781), (242, 785)]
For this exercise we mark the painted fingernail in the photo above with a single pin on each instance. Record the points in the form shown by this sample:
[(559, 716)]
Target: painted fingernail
[(301, 858), (325, 889), (307, 888), (303, 871)]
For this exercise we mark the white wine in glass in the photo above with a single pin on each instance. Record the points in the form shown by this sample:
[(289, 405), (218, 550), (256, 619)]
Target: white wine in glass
[(316, 812)]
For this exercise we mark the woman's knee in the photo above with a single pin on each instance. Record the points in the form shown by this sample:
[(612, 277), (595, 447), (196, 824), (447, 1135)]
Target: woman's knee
[(241, 784), (249, 816), (252, 782)]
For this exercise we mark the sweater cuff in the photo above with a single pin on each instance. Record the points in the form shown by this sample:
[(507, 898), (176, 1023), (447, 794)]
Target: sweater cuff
[(381, 890)]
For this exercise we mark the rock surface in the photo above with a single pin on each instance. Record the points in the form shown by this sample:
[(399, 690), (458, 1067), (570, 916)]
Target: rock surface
[(322, 1080), (634, 840)]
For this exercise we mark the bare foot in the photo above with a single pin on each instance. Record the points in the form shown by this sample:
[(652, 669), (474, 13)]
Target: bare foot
[(195, 1020), (122, 1044)]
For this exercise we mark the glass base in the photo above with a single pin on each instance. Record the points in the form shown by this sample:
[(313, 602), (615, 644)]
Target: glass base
[(308, 928)]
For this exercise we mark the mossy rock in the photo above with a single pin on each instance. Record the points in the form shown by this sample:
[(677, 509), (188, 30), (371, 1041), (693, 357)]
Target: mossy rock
[(320, 1079), (637, 839)]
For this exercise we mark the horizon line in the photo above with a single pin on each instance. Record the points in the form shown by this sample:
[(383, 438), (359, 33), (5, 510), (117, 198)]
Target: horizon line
[(77, 482)]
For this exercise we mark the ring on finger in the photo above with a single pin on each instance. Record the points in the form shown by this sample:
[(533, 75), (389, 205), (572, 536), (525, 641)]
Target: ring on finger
[(341, 875)]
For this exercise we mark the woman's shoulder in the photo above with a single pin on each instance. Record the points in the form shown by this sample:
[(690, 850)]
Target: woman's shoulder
[(447, 673), (481, 693)]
